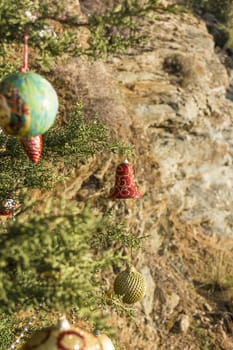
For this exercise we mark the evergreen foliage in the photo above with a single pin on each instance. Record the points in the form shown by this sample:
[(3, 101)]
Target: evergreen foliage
[(50, 260), (54, 262), (117, 30), (221, 9), (114, 32), (53, 258), (65, 145), (8, 330), (219, 16), (80, 139)]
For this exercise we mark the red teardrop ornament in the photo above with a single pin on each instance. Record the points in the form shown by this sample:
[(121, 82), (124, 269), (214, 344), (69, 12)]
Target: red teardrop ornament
[(125, 186), (33, 147)]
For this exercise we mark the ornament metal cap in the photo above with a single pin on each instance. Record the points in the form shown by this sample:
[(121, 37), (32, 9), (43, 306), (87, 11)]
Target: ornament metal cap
[(105, 342), (125, 186), (63, 324)]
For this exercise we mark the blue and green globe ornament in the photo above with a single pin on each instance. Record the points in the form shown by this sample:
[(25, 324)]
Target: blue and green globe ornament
[(28, 103)]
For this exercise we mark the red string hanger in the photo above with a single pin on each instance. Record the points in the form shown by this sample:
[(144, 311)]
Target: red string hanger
[(24, 69), (32, 145)]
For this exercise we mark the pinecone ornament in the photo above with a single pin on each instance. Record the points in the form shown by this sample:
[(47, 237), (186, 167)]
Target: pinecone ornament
[(33, 147), (130, 284)]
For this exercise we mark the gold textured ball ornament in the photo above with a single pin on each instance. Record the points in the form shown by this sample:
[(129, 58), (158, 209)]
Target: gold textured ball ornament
[(131, 285), (63, 338)]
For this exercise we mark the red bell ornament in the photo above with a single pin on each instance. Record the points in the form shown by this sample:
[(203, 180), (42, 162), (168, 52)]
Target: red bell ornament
[(125, 186), (33, 147)]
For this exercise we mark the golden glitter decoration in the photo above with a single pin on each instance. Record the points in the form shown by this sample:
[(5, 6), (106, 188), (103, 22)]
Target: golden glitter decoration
[(131, 285)]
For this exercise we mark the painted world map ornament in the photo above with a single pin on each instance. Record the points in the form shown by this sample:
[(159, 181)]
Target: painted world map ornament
[(28, 104)]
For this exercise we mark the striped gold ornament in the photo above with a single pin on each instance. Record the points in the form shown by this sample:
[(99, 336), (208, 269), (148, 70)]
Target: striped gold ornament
[(130, 284)]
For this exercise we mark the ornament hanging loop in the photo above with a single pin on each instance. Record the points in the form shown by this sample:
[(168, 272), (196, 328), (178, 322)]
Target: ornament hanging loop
[(24, 69)]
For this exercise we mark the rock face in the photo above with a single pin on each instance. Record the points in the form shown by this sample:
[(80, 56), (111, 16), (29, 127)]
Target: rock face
[(72, 11), (177, 90), (171, 98)]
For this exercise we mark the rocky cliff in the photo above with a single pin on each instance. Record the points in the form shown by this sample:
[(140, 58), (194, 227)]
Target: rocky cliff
[(171, 98)]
